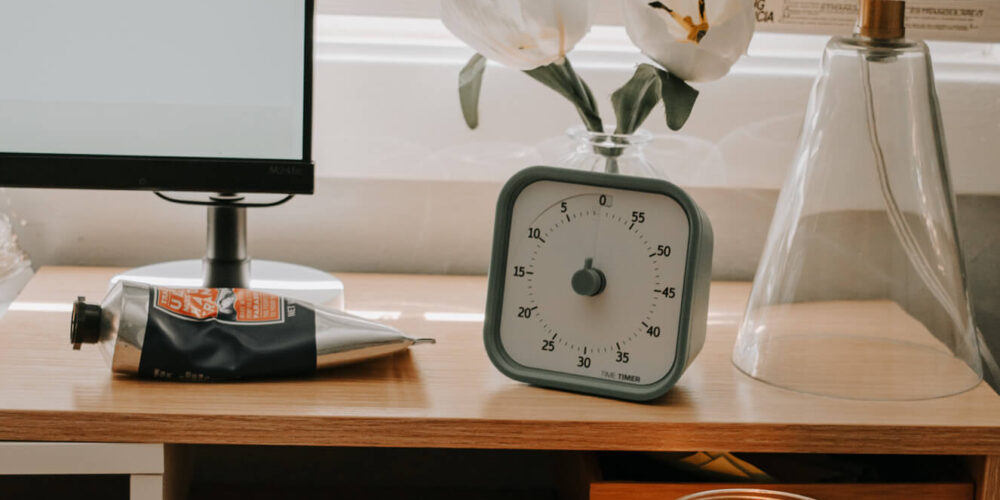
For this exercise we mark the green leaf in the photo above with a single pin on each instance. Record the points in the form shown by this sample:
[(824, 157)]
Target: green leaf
[(678, 99), (584, 91), (470, 81), (561, 78), (636, 99)]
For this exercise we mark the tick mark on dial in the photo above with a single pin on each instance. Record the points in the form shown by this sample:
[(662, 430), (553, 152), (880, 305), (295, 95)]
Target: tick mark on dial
[(631, 225), (652, 254)]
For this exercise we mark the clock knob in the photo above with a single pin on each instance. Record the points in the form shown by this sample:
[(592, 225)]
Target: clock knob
[(588, 281)]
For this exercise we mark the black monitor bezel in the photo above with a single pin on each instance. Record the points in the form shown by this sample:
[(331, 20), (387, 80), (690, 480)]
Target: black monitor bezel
[(174, 173)]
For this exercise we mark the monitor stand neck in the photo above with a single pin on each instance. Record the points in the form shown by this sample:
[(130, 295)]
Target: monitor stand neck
[(226, 263)]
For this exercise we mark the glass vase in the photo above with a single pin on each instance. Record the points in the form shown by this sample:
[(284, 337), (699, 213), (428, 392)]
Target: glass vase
[(861, 292), (611, 153)]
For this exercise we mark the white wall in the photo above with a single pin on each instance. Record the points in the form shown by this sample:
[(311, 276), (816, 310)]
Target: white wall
[(405, 187), (386, 97)]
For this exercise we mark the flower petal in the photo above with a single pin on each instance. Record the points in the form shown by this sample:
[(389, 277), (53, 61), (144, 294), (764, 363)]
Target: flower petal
[(663, 39), (522, 34)]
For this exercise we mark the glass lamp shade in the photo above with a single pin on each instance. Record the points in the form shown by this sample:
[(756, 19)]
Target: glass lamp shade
[(861, 291)]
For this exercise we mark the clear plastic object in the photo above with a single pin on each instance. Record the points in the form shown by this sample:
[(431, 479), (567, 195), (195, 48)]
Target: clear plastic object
[(861, 292), (15, 267)]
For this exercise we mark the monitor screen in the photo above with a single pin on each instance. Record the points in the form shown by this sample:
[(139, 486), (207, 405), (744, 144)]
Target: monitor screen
[(212, 88)]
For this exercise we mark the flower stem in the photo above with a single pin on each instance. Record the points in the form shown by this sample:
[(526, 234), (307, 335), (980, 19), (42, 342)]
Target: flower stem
[(591, 117), (611, 165), (560, 77)]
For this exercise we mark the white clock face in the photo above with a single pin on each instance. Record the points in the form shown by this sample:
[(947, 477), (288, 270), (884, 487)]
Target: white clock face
[(594, 281)]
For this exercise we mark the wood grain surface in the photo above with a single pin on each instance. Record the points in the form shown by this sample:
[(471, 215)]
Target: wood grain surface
[(446, 395), (986, 474)]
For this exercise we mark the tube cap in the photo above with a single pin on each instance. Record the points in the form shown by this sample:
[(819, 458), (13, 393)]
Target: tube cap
[(882, 19), (85, 324)]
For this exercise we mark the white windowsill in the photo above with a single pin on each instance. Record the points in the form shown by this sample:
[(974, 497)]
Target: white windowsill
[(386, 107)]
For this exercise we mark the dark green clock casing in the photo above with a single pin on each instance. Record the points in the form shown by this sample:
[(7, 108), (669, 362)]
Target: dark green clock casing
[(693, 316)]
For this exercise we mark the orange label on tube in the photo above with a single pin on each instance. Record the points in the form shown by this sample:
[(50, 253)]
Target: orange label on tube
[(237, 305), (197, 303), (254, 306)]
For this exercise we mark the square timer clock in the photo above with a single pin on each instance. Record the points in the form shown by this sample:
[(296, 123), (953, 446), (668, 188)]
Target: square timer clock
[(598, 282)]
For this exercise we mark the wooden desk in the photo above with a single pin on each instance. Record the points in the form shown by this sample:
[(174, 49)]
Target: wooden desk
[(448, 395)]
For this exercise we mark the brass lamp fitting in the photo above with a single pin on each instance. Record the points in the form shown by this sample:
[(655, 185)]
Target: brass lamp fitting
[(882, 19)]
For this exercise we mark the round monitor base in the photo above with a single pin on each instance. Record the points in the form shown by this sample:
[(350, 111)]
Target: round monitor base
[(280, 278)]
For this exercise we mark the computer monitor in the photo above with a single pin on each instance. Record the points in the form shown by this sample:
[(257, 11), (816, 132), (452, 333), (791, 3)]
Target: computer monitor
[(181, 95)]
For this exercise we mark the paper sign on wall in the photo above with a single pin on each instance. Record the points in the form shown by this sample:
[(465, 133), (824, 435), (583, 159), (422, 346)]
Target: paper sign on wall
[(959, 20)]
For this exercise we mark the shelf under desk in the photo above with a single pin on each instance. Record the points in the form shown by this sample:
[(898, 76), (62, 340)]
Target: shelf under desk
[(447, 395)]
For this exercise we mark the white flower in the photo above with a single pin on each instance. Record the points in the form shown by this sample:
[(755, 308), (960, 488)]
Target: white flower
[(697, 40), (522, 34)]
